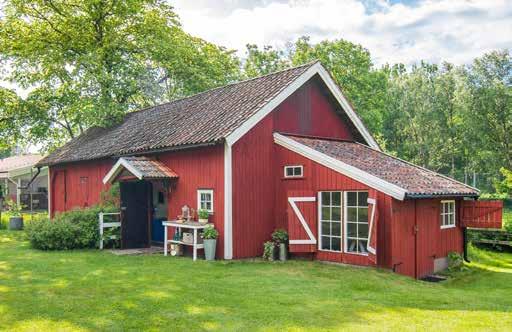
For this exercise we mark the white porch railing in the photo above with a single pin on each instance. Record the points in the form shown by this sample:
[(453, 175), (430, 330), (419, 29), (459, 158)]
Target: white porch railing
[(103, 224)]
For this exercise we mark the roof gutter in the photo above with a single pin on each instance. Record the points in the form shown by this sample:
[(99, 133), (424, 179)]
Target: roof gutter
[(417, 196)]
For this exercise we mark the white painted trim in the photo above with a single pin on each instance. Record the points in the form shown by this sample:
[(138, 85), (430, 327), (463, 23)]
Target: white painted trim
[(295, 208), (441, 214), (117, 168), (342, 230), (271, 105), (50, 188), (228, 203), (341, 167), (336, 91), (370, 227), (319, 219), (293, 167), (204, 191)]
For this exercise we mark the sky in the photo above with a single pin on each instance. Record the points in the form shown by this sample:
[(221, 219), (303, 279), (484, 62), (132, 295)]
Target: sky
[(393, 31)]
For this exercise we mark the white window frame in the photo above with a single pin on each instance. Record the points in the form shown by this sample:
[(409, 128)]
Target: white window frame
[(204, 191), (294, 167), (345, 229), (320, 220), (443, 214)]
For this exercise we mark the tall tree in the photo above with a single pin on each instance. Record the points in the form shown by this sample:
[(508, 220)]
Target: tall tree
[(260, 62), (490, 115), (88, 62)]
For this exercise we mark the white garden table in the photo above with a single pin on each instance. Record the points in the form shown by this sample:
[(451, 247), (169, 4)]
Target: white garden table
[(194, 225)]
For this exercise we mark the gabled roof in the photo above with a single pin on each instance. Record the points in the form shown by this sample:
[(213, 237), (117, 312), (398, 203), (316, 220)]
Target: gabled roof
[(211, 117), (142, 168), (390, 175), (15, 163)]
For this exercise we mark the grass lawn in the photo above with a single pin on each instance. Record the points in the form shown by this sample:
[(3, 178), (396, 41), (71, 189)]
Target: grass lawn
[(92, 290)]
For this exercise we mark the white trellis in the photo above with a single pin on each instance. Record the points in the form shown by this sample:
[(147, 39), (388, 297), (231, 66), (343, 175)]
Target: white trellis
[(103, 224)]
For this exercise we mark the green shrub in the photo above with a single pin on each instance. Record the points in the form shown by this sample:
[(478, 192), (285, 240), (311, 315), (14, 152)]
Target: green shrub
[(455, 261), (210, 233), (268, 250), (76, 229)]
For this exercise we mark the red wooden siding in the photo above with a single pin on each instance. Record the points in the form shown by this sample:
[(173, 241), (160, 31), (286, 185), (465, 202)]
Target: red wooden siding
[(417, 238), (80, 184), (318, 178), (197, 169), (482, 214), (309, 112), (77, 185)]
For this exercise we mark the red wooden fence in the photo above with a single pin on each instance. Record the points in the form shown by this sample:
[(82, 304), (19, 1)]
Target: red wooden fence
[(482, 214)]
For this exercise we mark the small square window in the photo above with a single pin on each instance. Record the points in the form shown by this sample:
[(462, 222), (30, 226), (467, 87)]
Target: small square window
[(205, 199), (447, 218), (293, 171)]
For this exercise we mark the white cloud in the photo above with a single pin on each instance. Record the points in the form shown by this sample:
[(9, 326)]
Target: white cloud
[(451, 30)]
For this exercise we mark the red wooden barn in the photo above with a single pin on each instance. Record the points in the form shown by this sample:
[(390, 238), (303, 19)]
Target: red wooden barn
[(285, 150)]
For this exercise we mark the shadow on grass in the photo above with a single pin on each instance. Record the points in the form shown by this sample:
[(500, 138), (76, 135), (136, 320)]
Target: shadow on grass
[(91, 290)]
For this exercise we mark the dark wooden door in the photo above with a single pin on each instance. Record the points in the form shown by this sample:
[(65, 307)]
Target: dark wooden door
[(136, 214)]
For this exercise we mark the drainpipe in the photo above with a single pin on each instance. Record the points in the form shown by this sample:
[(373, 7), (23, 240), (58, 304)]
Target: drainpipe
[(32, 179), (465, 239)]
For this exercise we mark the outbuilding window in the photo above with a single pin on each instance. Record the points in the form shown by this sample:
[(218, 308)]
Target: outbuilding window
[(205, 199), (447, 214), (356, 222), (330, 220), (295, 171)]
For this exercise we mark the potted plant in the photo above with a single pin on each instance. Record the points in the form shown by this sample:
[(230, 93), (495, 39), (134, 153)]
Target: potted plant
[(16, 218), (280, 237), (203, 216), (210, 235)]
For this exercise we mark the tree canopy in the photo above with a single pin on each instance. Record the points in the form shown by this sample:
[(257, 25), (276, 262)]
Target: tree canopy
[(87, 63)]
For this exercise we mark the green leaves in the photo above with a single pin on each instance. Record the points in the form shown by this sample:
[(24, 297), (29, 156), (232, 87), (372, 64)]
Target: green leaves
[(87, 63)]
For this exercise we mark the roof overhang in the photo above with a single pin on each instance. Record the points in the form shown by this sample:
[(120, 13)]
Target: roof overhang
[(341, 167), (308, 74), (162, 171)]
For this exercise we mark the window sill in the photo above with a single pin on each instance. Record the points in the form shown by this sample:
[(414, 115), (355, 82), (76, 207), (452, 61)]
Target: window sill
[(448, 226), (293, 178), (356, 253)]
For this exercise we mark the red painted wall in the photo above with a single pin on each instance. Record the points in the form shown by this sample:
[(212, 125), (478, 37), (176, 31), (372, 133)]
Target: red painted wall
[(306, 112), (320, 178), (77, 185), (309, 112), (413, 252), (197, 169)]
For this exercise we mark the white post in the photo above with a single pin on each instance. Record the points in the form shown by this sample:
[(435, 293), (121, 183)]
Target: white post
[(165, 240), (101, 230), (195, 244)]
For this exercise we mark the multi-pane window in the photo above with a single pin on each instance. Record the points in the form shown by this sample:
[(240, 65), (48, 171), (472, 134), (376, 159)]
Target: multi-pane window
[(356, 221), (447, 214), (205, 199), (330, 220), (293, 171)]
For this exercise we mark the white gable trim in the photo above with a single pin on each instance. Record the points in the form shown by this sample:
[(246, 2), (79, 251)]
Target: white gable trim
[(341, 167), (270, 106), (118, 167)]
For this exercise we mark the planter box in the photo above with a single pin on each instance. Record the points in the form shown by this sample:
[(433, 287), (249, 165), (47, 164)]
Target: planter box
[(16, 223)]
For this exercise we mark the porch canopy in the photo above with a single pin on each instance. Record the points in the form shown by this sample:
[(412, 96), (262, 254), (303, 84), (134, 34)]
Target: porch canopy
[(141, 168)]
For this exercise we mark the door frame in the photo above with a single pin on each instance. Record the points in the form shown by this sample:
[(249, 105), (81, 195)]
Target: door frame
[(149, 212)]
